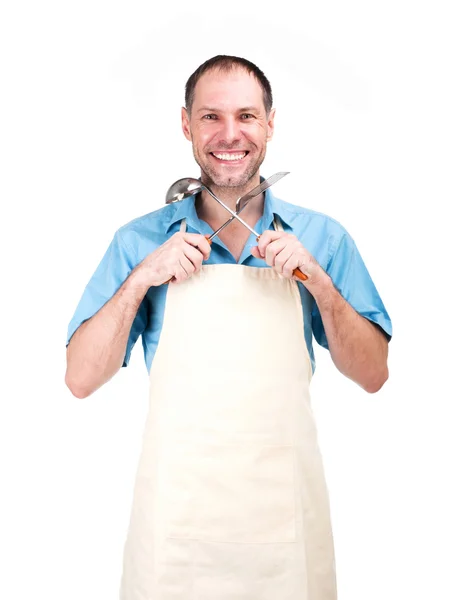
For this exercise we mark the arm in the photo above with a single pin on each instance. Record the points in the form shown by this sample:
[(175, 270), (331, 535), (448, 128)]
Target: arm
[(97, 348), (358, 348)]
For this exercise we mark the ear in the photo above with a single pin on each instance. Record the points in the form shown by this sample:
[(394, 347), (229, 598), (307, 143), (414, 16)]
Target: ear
[(270, 124), (185, 118)]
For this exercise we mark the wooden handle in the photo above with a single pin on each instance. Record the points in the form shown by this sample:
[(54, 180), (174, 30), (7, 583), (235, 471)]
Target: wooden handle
[(298, 273)]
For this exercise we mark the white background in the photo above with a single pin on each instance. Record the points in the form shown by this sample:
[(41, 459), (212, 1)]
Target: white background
[(374, 122)]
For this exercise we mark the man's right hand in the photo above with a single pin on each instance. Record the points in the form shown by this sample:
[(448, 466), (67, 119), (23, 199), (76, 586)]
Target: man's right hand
[(178, 259)]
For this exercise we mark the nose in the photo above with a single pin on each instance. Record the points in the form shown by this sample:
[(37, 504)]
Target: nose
[(230, 130)]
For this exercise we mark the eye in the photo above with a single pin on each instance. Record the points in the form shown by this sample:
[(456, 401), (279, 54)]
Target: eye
[(209, 117), (246, 116)]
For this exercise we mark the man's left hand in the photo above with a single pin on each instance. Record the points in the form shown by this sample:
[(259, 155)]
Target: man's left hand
[(284, 252)]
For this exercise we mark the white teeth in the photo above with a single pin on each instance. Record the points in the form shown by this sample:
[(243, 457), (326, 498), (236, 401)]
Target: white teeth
[(230, 156)]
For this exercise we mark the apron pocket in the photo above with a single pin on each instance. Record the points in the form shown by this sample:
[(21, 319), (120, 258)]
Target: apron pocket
[(230, 493)]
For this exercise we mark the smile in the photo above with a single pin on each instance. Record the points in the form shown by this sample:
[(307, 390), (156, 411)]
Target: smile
[(229, 156)]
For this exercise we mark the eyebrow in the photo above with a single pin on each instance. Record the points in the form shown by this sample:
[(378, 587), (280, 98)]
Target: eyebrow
[(244, 109)]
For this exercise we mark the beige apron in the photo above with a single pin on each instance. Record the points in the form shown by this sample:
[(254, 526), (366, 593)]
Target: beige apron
[(230, 499)]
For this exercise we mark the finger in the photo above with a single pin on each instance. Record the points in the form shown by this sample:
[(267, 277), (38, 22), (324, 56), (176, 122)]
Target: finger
[(186, 265), (282, 258), (198, 241), (291, 264), (179, 274), (194, 256), (256, 252), (266, 238), (273, 249)]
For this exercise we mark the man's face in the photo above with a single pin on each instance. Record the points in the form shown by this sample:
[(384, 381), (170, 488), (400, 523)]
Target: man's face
[(228, 127)]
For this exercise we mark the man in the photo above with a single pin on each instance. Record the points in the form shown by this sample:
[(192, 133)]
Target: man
[(230, 499)]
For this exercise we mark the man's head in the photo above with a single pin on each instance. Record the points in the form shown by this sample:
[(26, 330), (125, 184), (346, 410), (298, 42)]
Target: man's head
[(229, 119)]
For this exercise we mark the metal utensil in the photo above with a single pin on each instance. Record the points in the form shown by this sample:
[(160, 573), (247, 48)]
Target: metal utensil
[(189, 186), (243, 200), (183, 188)]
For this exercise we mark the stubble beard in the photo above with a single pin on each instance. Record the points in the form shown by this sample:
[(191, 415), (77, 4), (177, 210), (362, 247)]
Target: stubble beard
[(210, 175)]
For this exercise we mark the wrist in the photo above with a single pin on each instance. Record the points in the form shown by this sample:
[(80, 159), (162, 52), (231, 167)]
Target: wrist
[(137, 283), (319, 283)]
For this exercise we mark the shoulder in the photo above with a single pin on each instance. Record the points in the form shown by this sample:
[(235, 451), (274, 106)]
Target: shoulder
[(310, 224), (305, 214), (154, 223), (144, 233)]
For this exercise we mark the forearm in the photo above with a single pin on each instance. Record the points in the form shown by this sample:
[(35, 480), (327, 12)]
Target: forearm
[(357, 347), (97, 349)]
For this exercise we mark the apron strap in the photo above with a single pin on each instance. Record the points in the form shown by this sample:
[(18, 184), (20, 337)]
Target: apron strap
[(277, 224)]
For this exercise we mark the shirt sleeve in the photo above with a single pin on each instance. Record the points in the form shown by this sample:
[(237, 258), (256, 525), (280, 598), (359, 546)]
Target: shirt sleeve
[(352, 279), (114, 268)]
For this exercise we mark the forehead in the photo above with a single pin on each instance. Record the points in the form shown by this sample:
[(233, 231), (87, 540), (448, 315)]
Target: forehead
[(228, 90)]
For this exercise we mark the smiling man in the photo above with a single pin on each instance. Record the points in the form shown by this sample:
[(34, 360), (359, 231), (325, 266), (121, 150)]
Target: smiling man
[(230, 499)]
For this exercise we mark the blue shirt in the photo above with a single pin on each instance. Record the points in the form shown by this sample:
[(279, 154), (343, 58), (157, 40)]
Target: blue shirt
[(324, 237)]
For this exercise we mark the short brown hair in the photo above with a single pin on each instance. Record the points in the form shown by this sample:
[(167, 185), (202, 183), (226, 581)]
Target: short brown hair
[(227, 63)]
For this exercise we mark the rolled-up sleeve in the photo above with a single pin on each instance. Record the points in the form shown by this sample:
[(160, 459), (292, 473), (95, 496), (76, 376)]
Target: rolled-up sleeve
[(115, 266), (352, 279)]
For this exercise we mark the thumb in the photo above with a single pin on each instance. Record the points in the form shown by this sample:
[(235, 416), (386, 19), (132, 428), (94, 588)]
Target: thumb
[(255, 252)]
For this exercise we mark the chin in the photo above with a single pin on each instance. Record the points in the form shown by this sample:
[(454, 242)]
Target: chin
[(223, 177), (229, 180)]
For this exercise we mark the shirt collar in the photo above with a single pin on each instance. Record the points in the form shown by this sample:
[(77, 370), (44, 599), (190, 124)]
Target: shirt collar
[(185, 209)]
